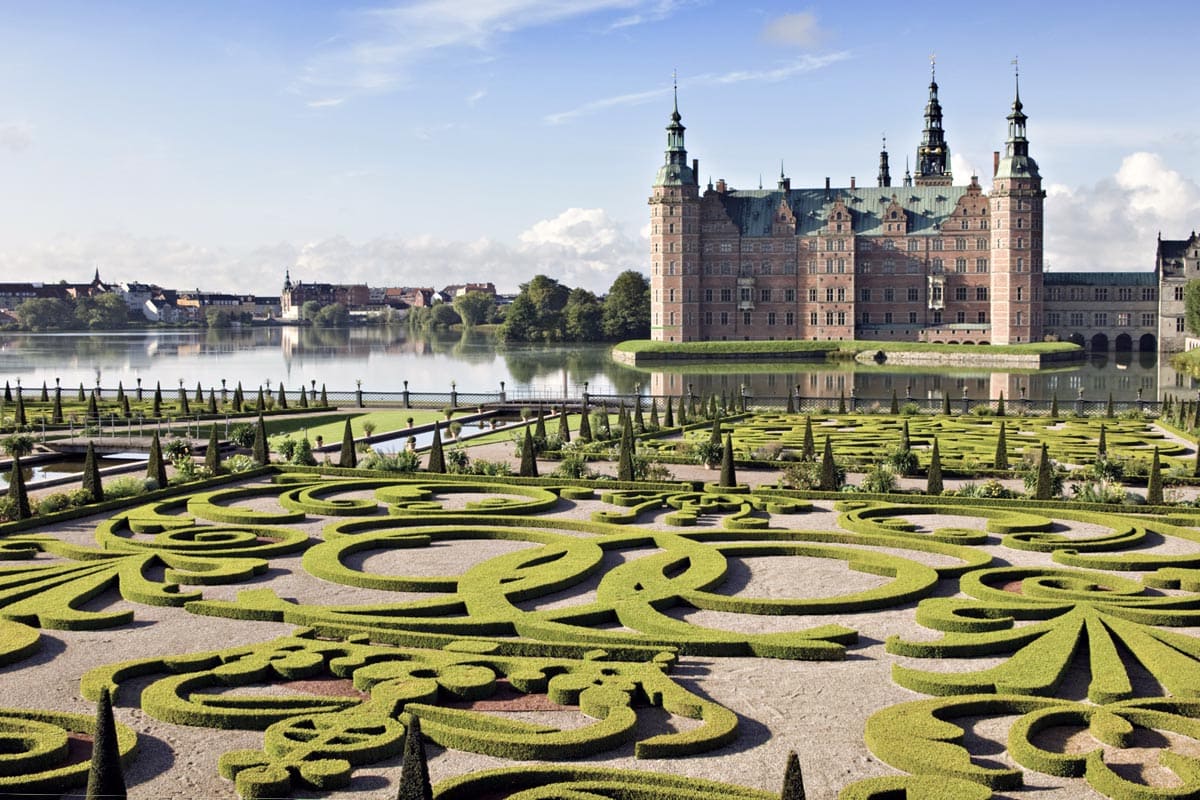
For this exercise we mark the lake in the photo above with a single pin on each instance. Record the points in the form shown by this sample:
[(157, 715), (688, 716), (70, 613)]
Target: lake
[(384, 358)]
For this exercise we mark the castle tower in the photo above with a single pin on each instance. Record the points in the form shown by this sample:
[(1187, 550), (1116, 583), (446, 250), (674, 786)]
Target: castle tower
[(675, 242), (1016, 252), (933, 156), (885, 175)]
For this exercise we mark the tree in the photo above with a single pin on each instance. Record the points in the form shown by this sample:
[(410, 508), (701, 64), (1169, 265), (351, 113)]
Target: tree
[(1000, 406), (45, 314), (829, 472), (1043, 488), (528, 467), (1154, 484), (212, 454), (1054, 406), (1000, 459), (536, 314), (714, 435), (443, 315), (1191, 305), (156, 406), (585, 425), (184, 407), (437, 457), (668, 416), (348, 457), (105, 779), (103, 312), (218, 318), (627, 307), (91, 474), (583, 317), (262, 451), (933, 479), (894, 407), (414, 768), (793, 781), (475, 308), (16, 490), (309, 310), (282, 400), (808, 449), (56, 414), (728, 476), (564, 425), (156, 470), (1102, 446), (791, 403), (945, 404), (625, 454)]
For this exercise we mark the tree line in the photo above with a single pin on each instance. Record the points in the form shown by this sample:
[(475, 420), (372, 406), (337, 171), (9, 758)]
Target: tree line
[(548, 311)]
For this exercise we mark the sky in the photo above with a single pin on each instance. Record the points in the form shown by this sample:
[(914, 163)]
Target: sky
[(215, 145)]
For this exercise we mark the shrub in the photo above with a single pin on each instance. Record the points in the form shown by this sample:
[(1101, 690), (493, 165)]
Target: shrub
[(457, 461), (240, 463), (176, 447), (53, 502), (303, 453), (242, 434), (880, 479), (368, 427), (804, 475), (187, 470), (768, 452), (910, 409), (573, 465), (1099, 491), (708, 452), (400, 461), (286, 447), (80, 497), (18, 445), (125, 486), (902, 460), (481, 466), (8, 508)]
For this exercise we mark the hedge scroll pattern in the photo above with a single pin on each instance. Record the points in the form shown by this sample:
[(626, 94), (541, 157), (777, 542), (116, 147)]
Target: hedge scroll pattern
[(46, 752)]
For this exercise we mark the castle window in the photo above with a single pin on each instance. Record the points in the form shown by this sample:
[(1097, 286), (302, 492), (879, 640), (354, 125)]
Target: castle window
[(789, 295), (937, 244), (770, 317), (912, 318), (960, 244), (1123, 319), (829, 295), (708, 318), (726, 295), (981, 265), (981, 318), (866, 318), (841, 294), (812, 318), (708, 295), (768, 247), (1150, 293), (841, 318), (889, 295), (966, 224), (937, 317), (893, 215), (828, 317), (726, 247), (812, 295), (865, 294), (670, 295), (981, 293), (913, 245), (960, 265), (983, 225), (828, 266), (671, 318), (1179, 293), (960, 293), (960, 317), (724, 317), (764, 295), (1020, 318), (671, 268), (887, 318), (789, 319), (1148, 319), (1020, 264), (841, 243), (746, 318), (1101, 293), (888, 244), (841, 266), (671, 228), (1020, 294)]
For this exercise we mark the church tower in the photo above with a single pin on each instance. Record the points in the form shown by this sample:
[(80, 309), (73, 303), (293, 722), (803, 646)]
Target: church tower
[(1016, 253), (675, 242), (933, 156)]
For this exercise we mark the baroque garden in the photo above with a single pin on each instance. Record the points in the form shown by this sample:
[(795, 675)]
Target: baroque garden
[(918, 605)]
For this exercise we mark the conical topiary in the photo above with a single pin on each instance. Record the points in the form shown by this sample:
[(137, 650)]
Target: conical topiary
[(91, 474), (156, 403), (564, 425), (156, 470), (1054, 406), (437, 457), (324, 396), (56, 413), (945, 404), (905, 437), (16, 490), (639, 421), (793, 782), (1000, 459), (212, 401), (625, 455), (585, 424), (19, 416), (683, 411), (933, 479), (282, 400), (212, 455), (82, 395), (262, 450), (842, 402), (1154, 484), (45, 393), (199, 392), (714, 435), (8, 398), (120, 392), (1000, 406), (539, 430), (1102, 445), (668, 413), (791, 403), (894, 407), (654, 421), (1043, 488), (829, 481), (261, 403), (528, 467), (303, 397), (728, 476), (105, 779), (1108, 407), (808, 450), (184, 406), (414, 769), (93, 411), (348, 457)]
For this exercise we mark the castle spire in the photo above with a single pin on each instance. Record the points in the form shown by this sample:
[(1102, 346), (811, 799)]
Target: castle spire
[(885, 175), (1016, 162), (907, 174), (675, 170), (933, 156)]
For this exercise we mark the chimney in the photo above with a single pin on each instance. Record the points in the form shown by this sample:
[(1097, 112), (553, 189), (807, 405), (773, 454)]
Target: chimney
[(696, 169), (721, 185), (826, 187), (851, 181), (995, 162)]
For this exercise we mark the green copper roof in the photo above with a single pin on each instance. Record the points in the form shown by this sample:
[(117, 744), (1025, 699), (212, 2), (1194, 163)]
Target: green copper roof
[(753, 211)]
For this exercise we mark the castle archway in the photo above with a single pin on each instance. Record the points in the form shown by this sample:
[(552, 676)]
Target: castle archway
[(1076, 338), (1148, 343), (1099, 343), (1123, 343)]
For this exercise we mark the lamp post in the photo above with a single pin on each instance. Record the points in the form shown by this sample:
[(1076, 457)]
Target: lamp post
[(966, 401)]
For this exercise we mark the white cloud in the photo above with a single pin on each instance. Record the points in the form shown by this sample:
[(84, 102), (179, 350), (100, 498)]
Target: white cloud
[(476, 96), (15, 136), (963, 168), (653, 12), (794, 30), (1113, 224), (807, 63), (326, 102), (580, 247), (386, 43)]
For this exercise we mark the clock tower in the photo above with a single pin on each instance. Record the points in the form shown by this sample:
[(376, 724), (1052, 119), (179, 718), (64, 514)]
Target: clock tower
[(933, 156)]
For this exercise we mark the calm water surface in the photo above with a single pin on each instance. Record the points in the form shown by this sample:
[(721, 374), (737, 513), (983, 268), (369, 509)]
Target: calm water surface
[(383, 359)]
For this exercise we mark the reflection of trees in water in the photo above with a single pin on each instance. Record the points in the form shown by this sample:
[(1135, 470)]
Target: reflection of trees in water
[(528, 363)]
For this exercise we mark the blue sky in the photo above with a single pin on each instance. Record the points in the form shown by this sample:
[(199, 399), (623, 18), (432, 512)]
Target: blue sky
[(215, 144)]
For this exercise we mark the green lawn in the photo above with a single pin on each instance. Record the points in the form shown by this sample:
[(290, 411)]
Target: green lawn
[(330, 426)]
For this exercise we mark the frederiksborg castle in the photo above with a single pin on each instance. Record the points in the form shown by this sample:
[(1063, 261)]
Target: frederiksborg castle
[(919, 260)]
